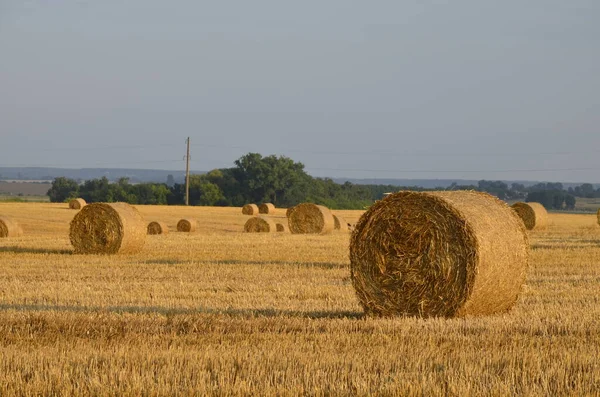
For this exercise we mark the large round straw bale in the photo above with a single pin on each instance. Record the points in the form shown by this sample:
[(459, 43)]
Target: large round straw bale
[(448, 254), (534, 215), (266, 208), (158, 228), (250, 209), (310, 218), (187, 225), (9, 227), (108, 228), (281, 227), (260, 224), (77, 204), (339, 223)]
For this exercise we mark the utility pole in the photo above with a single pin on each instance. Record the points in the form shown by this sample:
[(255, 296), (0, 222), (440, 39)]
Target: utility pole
[(187, 173)]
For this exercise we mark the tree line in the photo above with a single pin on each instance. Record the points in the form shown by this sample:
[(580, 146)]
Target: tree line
[(284, 182)]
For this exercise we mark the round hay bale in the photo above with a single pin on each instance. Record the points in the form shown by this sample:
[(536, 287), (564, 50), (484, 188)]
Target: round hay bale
[(339, 223), (108, 228), (310, 218), (187, 225), (77, 204), (260, 224), (250, 209), (438, 254), (158, 228), (598, 216), (534, 215), (289, 211), (281, 227), (9, 227), (266, 208)]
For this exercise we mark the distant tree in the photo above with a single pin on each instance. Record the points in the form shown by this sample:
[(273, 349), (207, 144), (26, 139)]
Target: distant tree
[(570, 201), (63, 189), (170, 180)]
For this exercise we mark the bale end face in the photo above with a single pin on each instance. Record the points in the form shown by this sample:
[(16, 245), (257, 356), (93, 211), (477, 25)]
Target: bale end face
[(250, 209), (308, 218), (281, 227), (339, 223), (443, 254), (155, 228), (260, 224), (266, 208), (108, 228), (533, 215), (77, 204), (187, 225), (9, 227)]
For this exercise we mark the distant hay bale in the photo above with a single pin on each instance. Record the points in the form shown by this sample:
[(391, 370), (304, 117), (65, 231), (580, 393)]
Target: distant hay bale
[(289, 211), (260, 224), (158, 228), (310, 218), (9, 227), (77, 204), (266, 208), (187, 225), (598, 216), (250, 209), (108, 228), (339, 223), (281, 227), (534, 215), (438, 254)]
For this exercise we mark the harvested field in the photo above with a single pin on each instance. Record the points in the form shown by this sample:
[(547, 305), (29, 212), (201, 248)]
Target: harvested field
[(211, 313)]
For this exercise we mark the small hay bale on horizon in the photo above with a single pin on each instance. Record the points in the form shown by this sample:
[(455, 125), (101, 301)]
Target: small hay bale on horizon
[(158, 228), (187, 225), (534, 215), (266, 208), (598, 216), (250, 209), (260, 224), (77, 204), (282, 227), (339, 223), (9, 227), (108, 228), (438, 254), (307, 218)]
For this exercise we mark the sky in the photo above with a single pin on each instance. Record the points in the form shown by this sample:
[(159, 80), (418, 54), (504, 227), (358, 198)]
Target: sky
[(465, 89)]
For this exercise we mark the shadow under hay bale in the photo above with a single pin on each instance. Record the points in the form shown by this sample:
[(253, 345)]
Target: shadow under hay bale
[(158, 228), (9, 227), (260, 224), (250, 209), (266, 208), (339, 223), (77, 204), (447, 254), (310, 218), (187, 225), (108, 228), (534, 215)]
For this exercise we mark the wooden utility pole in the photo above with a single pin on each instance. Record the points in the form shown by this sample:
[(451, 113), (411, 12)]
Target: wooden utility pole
[(187, 173)]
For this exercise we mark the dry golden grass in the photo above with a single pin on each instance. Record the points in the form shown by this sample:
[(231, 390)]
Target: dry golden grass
[(225, 312)]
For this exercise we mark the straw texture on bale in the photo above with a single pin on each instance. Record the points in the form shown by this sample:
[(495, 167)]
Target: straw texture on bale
[(158, 228), (289, 211), (281, 227), (77, 204), (250, 209), (260, 224), (534, 215), (438, 254), (187, 225), (266, 208), (310, 218), (108, 228), (9, 227), (339, 223)]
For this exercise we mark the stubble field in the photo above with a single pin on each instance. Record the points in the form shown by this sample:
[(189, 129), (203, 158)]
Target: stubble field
[(228, 313)]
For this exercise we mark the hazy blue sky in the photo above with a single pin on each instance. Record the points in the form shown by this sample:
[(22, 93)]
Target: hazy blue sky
[(426, 89)]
